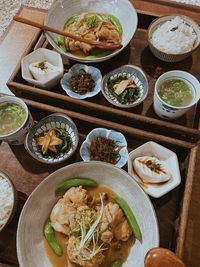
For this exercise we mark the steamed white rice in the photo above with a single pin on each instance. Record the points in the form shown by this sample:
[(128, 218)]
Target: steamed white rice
[(174, 37), (6, 201)]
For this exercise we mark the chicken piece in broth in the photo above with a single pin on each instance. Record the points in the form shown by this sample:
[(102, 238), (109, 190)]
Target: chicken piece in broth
[(91, 224)]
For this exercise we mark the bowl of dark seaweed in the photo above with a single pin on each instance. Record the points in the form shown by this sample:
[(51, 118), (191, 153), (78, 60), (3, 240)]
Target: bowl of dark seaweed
[(53, 139), (82, 81), (125, 87), (105, 145)]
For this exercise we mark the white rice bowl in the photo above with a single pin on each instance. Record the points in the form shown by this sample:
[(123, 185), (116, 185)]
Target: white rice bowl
[(174, 36)]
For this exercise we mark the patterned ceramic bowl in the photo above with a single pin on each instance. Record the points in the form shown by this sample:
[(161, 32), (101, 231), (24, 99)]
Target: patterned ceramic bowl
[(169, 112), (55, 120), (172, 57), (131, 72), (94, 72), (116, 136)]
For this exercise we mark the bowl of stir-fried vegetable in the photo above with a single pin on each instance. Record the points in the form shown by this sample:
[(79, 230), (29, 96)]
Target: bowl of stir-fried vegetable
[(53, 139), (125, 87)]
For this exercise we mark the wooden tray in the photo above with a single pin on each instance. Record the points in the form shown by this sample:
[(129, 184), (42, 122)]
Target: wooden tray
[(27, 173), (141, 117)]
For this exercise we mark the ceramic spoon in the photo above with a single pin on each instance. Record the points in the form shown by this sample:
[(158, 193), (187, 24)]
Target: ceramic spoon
[(160, 257)]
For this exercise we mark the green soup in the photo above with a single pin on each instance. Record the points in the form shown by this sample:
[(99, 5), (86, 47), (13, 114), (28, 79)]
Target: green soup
[(12, 117), (175, 92)]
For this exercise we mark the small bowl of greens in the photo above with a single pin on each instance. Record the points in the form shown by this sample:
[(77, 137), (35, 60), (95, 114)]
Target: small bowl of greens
[(125, 87), (53, 139)]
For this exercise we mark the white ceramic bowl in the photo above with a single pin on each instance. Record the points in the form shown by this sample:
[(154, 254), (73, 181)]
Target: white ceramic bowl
[(18, 136), (116, 136), (171, 57), (122, 9), (168, 159), (94, 72), (42, 54), (30, 240), (169, 112), (13, 198), (135, 74)]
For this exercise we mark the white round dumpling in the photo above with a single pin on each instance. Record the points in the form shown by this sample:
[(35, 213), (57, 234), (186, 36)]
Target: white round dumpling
[(151, 170)]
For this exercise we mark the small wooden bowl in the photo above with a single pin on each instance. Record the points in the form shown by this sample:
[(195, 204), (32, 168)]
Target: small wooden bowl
[(14, 206)]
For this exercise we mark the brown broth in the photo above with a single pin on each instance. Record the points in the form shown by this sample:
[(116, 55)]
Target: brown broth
[(110, 255)]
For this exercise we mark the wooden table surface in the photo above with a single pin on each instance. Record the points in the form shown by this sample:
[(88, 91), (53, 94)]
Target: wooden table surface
[(12, 48)]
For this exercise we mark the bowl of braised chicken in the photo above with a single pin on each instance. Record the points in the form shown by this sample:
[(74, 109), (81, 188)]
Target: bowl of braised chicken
[(89, 214), (94, 30)]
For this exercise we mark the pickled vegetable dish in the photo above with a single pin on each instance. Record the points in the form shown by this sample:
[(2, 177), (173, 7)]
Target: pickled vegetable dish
[(12, 116), (82, 83), (104, 149), (175, 92)]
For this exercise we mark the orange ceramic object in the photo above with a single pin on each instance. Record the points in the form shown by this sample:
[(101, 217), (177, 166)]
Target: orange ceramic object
[(160, 257)]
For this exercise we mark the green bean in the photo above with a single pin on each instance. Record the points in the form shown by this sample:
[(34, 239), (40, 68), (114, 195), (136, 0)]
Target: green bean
[(51, 238), (76, 181), (115, 21), (130, 217), (60, 40), (116, 263)]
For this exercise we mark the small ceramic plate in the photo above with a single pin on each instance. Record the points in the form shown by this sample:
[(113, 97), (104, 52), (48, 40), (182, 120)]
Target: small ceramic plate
[(94, 72), (131, 72), (116, 136), (169, 160), (56, 120), (13, 199)]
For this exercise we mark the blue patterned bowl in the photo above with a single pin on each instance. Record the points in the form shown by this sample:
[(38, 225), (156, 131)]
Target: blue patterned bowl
[(116, 136), (94, 72), (55, 120), (132, 72)]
